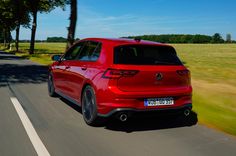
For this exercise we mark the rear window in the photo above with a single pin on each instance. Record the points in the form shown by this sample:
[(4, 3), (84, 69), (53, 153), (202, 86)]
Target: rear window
[(145, 55)]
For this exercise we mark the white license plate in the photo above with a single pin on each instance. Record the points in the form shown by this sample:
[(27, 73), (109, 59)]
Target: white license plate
[(158, 101)]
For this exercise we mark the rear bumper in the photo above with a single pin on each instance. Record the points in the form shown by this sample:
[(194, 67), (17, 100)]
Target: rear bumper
[(148, 112), (111, 100), (107, 108)]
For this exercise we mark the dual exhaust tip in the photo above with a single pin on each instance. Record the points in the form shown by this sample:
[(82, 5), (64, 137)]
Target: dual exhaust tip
[(123, 117), (187, 112)]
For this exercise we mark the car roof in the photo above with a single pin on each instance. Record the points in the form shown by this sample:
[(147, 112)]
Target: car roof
[(123, 41)]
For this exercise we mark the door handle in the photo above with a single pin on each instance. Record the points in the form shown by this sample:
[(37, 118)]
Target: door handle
[(67, 67), (84, 68)]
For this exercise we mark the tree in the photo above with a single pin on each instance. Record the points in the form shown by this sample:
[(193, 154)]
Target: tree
[(228, 38), (36, 6), (22, 18), (12, 15), (72, 26), (1, 35), (216, 38), (7, 19)]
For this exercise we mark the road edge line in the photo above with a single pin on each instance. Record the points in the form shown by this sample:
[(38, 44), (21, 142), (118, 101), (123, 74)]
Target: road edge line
[(39, 147)]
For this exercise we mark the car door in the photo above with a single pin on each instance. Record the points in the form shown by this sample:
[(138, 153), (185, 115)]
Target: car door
[(58, 75), (81, 66), (63, 68)]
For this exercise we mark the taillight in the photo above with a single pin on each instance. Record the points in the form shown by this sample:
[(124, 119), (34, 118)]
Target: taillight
[(116, 73), (186, 75), (183, 72)]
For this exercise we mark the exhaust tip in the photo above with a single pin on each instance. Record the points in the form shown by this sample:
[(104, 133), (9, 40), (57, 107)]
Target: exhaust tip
[(123, 117), (186, 112)]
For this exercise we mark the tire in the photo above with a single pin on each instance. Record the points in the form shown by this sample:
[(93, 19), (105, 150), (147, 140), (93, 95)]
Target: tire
[(51, 88), (89, 107)]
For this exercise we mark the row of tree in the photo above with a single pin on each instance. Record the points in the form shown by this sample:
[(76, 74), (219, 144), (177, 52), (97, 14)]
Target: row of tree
[(17, 13), (56, 39), (182, 38)]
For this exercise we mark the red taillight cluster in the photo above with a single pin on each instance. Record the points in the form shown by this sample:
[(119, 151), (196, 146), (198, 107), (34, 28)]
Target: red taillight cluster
[(186, 75), (116, 73)]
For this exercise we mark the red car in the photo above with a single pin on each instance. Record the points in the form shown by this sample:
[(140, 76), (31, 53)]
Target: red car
[(119, 77)]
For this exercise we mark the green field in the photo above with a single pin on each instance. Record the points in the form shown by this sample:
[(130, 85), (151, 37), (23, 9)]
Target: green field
[(213, 69)]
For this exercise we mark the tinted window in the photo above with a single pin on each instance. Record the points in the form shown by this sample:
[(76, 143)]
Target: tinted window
[(73, 52), (90, 51), (145, 55)]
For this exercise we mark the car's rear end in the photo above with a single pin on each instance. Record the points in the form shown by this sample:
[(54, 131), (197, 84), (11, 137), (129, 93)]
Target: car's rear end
[(144, 78)]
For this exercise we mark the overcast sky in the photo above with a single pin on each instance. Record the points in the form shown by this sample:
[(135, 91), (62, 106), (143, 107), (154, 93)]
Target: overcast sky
[(117, 18)]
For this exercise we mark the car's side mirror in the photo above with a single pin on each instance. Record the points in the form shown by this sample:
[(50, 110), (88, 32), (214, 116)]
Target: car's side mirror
[(56, 57)]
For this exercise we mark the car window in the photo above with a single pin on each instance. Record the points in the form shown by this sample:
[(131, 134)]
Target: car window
[(90, 51), (73, 52), (96, 52), (145, 55)]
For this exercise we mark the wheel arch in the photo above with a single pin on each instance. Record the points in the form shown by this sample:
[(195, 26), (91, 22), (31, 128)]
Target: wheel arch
[(87, 83)]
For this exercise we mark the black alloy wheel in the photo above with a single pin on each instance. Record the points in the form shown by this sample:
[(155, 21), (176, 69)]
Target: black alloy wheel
[(89, 106), (51, 88)]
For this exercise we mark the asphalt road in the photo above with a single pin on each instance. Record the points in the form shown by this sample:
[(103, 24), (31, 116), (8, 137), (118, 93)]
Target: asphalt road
[(61, 129)]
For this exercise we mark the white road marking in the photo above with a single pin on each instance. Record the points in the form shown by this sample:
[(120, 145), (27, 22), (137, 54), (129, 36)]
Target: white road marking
[(29, 128)]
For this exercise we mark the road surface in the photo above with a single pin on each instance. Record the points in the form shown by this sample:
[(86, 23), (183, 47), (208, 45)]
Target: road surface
[(32, 123)]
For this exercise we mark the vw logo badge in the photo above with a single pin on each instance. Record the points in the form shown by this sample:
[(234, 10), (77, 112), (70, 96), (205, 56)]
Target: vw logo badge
[(159, 76)]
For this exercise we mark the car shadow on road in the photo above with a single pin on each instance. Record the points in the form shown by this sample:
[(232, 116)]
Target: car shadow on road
[(152, 123), (72, 105), (141, 123)]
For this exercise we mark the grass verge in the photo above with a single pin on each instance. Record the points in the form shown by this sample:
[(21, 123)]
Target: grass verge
[(215, 105), (42, 53)]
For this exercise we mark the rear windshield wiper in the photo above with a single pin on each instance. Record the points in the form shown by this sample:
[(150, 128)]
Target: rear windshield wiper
[(165, 63)]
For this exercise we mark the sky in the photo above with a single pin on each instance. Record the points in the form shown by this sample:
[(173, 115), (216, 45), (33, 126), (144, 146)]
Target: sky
[(119, 18)]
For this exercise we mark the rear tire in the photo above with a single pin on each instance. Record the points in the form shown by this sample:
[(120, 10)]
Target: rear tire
[(89, 107), (51, 88)]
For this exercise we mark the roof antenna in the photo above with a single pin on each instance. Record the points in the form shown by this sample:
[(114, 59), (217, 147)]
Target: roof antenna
[(137, 39)]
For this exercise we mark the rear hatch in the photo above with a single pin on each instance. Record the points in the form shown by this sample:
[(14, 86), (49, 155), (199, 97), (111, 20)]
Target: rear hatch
[(149, 68)]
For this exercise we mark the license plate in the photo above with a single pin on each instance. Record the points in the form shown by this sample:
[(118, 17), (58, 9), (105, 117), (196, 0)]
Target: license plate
[(158, 101)]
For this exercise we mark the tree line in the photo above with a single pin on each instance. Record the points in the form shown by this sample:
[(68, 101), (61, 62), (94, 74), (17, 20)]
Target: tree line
[(17, 13), (57, 39), (185, 38)]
